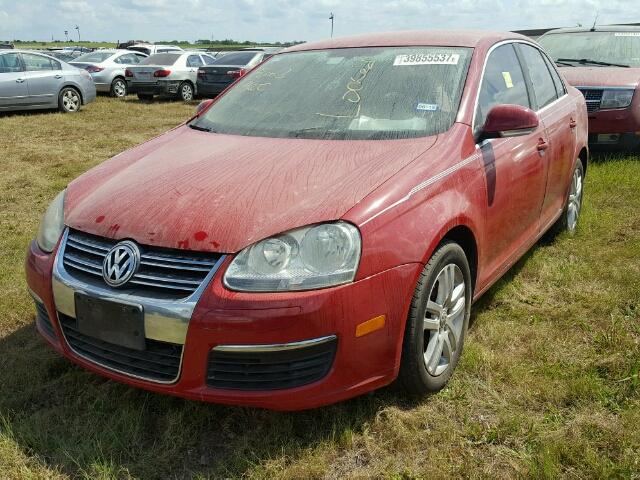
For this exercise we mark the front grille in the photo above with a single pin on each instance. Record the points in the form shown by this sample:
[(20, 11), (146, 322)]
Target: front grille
[(163, 272), (159, 362), (42, 317), (593, 97), (270, 370)]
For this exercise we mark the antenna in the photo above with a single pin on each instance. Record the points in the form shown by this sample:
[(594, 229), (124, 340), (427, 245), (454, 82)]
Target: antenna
[(593, 29)]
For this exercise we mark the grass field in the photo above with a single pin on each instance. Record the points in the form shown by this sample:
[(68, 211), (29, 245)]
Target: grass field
[(548, 385)]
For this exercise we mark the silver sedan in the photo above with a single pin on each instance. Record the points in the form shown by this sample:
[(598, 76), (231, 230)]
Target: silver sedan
[(172, 74), (30, 81), (107, 68)]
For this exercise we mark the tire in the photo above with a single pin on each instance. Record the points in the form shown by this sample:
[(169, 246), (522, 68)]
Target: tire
[(145, 97), (69, 100), (438, 321), (118, 88), (186, 92), (568, 221)]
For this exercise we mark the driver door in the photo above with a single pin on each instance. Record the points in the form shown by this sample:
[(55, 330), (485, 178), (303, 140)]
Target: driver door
[(515, 167), (14, 92)]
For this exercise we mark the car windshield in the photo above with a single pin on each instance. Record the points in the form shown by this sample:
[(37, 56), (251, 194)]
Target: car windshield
[(236, 59), (164, 59), (353, 93), (94, 57), (621, 48)]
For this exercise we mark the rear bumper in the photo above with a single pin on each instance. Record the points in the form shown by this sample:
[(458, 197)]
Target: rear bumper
[(157, 88), (211, 89), (230, 323)]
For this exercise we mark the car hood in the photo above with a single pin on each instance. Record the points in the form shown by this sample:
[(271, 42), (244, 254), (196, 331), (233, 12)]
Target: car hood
[(601, 76), (210, 192)]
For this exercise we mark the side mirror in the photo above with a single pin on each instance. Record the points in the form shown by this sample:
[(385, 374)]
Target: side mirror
[(202, 106), (510, 121)]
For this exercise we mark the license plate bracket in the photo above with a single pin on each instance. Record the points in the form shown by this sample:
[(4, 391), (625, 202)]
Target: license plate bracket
[(113, 322)]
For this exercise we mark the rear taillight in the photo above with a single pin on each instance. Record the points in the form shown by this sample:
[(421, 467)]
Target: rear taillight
[(128, 73), (161, 73), (201, 73), (237, 73), (94, 69)]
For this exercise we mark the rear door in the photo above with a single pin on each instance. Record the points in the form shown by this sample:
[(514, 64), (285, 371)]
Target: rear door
[(13, 85), (556, 111), (44, 79), (514, 166)]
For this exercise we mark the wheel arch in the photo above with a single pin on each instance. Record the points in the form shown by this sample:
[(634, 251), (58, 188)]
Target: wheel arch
[(583, 156), (463, 235)]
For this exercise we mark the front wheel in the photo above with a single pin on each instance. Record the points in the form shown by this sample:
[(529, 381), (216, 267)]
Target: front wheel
[(118, 88), (69, 100), (185, 92), (437, 322)]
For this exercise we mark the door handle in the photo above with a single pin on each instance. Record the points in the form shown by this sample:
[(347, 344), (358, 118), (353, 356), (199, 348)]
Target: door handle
[(58, 76), (20, 80), (542, 145), (572, 123)]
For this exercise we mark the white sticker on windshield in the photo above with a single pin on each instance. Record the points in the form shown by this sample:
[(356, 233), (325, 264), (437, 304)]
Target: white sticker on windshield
[(627, 34), (427, 59), (427, 107)]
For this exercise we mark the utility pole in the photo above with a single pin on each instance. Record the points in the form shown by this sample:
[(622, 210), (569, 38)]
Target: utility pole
[(78, 29), (66, 35), (331, 18)]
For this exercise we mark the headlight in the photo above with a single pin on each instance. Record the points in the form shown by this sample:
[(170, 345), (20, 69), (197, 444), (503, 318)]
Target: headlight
[(616, 98), (307, 258), (52, 224)]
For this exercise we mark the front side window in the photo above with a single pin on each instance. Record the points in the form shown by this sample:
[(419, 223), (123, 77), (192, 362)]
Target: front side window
[(10, 63), (575, 48), (349, 93), (543, 86), (503, 83), (37, 63)]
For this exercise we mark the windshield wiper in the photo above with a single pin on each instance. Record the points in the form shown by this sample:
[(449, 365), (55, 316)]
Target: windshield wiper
[(201, 129), (565, 63), (588, 61)]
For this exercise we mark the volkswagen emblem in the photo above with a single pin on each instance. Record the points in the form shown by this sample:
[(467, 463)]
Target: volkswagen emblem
[(121, 263)]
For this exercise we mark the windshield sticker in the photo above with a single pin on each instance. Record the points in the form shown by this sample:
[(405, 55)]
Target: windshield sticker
[(354, 86), (508, 81), (427, 59), (427, 107), (627, 34)]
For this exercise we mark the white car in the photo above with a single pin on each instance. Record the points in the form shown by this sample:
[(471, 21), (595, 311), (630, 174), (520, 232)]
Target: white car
[(173, 74), (151, 49)]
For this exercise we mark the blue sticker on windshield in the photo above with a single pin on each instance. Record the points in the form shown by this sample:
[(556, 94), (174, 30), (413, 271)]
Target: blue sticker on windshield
[(427, 107)]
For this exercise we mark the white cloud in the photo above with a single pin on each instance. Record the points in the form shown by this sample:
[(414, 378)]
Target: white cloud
[(273, 20)]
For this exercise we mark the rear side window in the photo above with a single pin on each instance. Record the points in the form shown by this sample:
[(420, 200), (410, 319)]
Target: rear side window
[(10, 62), (208, 60), (543, 85), (94, 57), (194, 61), (560, 88), (163, 59), (37, 63), (502, 83)]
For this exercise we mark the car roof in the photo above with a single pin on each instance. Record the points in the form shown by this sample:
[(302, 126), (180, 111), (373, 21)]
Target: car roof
[(604, 28), (449, 38)]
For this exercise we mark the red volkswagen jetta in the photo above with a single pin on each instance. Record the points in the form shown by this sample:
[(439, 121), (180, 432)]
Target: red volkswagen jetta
[(321, 228)]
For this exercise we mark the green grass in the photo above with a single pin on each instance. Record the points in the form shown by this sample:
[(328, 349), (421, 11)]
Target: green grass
[(548, 385)]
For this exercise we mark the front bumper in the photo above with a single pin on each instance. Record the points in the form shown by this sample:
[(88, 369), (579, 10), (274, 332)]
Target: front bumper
[(223, 320)]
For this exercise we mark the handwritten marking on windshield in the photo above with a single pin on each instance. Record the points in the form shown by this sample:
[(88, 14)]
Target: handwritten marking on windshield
[(352, 95), (254, 85)]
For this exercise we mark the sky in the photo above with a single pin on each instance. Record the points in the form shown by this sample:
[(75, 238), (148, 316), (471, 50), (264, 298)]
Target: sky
[(287, 20)]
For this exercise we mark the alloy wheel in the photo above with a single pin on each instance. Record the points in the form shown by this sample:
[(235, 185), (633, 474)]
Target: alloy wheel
[(71, 100), (119, 88), (444, 319), (575, 200), (186, 92)]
